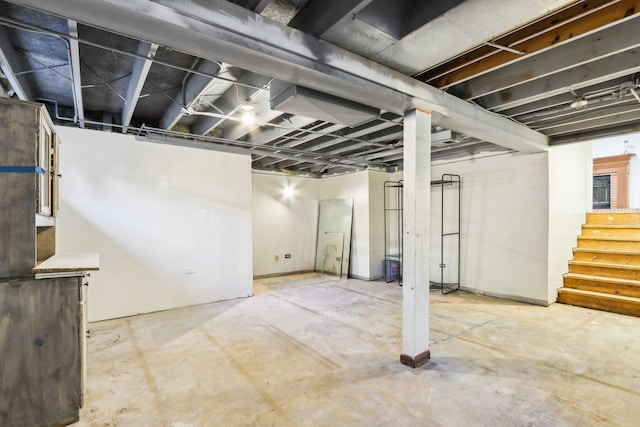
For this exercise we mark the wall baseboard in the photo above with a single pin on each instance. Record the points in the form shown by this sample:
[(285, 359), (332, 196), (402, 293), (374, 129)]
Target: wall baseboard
[(284, 273), (355, 276), (289, 273), (505, 296)]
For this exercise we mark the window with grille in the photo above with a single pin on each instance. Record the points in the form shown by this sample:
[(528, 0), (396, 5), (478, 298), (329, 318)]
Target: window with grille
[(602, 192)]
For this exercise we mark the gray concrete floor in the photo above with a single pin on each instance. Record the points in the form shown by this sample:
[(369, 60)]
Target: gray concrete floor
[(310, 350)]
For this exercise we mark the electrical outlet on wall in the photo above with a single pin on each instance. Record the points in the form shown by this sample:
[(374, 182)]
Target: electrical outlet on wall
[(287, 256)]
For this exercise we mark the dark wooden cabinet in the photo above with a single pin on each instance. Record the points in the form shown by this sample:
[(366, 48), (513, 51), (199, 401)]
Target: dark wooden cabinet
[(28, 185), (40, 348), (41, 319)]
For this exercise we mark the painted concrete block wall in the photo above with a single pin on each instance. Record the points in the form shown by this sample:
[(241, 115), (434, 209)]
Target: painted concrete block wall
[(355, 186), (505, 228), (570, 188), (615, 146), (284, 223), (154, 212)]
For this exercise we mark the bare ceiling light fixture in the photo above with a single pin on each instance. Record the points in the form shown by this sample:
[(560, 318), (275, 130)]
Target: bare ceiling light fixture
[(579, 104), (247, 114), (288, 192), (247, 106)]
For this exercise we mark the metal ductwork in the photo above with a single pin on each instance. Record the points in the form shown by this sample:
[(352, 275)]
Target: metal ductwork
[(302, 101), (444, 138)]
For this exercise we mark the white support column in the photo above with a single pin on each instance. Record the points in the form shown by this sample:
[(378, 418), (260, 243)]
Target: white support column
[(415, 247)]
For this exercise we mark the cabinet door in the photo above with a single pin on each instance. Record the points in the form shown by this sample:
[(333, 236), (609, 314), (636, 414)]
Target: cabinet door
[(39, 352), (55, 175), (44, 161)]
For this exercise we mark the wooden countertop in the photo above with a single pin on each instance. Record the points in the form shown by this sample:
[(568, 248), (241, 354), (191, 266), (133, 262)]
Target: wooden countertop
[(69, 263)]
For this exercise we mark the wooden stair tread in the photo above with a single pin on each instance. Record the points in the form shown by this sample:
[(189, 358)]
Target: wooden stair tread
[(612, 226), (610, 238), (605, 265), (610, 213), (608, 251), (603, 279), (632, 217), (599, 294), (603, 269)]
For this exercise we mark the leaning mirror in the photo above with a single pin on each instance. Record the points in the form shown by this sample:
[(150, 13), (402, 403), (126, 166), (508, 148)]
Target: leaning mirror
[(334, 237)]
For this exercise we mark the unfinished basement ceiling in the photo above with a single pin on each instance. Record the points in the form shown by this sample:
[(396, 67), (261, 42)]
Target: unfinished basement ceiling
[(567, 70)]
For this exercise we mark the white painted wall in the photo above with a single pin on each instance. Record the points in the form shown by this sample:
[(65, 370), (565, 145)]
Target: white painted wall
[(570, 188), (151, 211), (505, 207), (376, 223), (356, 186), (615, 146), (284, 225), (520, 218)]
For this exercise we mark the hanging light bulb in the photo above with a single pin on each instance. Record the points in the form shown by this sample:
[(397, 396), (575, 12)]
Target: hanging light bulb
[(247, 106), (247, 115), (288, 192), (579, 103), (248, 118)]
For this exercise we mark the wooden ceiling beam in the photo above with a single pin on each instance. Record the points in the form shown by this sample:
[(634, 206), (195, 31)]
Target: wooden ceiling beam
[(516, 36), (569, 23)]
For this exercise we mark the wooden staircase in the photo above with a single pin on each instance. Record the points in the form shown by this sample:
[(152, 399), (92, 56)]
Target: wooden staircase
[(605, 271)]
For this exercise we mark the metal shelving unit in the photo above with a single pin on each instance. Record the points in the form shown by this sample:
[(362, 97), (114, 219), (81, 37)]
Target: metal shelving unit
[(393, 231), (454, 181)]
